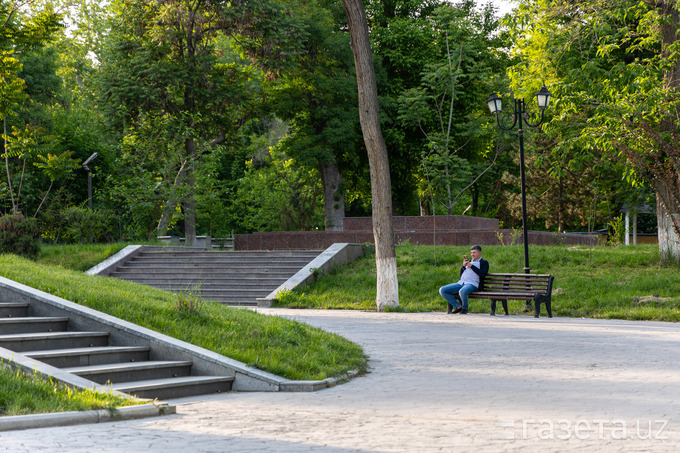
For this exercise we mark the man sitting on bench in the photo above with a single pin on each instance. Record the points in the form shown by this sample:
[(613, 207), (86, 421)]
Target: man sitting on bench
[(472, 275)]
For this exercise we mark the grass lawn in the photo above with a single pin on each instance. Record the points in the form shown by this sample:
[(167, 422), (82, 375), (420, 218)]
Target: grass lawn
[(78, 257), (597, 282)]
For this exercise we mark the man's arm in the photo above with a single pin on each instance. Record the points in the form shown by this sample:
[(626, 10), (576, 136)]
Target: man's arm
[(483, 268)]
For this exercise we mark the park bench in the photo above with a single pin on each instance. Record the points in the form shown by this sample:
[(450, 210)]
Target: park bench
[(504, 287)]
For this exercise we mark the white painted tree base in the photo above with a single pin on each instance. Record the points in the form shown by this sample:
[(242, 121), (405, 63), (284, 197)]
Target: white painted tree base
[(387, 284)]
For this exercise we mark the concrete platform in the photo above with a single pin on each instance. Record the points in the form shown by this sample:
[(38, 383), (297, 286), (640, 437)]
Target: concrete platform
[(452, 383)]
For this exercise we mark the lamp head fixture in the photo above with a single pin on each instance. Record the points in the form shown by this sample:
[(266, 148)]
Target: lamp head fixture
[(495, 103), (543, 98), (89, 159)]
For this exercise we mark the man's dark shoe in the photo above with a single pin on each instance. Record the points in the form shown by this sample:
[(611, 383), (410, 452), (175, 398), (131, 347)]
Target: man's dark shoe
[(450, 309), (463, 311), (458, 310)]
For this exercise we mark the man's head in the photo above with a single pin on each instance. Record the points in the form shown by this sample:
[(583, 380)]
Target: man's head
[(475, 252)]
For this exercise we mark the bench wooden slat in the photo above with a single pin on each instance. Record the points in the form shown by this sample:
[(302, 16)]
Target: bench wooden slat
[(511, 286), (488, 294), (519, 275), (516, 281), (500, 279)]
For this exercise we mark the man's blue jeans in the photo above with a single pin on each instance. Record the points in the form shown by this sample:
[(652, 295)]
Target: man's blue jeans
[(449, 291)]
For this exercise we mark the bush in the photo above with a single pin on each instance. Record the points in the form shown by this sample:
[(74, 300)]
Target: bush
[(19, 235), (79, 225)]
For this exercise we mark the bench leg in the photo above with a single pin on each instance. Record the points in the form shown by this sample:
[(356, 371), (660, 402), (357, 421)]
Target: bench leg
[(538, 298), (505, 307)]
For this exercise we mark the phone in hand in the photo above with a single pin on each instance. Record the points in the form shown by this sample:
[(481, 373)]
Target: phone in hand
[(465, 257)]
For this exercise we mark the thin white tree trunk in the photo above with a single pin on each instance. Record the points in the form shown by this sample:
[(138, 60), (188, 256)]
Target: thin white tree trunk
[(668, 231)]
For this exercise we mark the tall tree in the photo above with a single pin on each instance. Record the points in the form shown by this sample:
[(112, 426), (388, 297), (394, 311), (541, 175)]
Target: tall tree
[(614, 69), (445, 106), (23, 29), (163, 70), (318, 99), (369, 115)]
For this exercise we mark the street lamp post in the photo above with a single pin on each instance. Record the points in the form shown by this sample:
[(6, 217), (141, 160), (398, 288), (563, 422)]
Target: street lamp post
[(520, 117)]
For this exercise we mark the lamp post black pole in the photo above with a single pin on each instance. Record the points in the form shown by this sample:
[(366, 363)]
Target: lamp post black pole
[(521, 117), (519, 112), (89, 189)]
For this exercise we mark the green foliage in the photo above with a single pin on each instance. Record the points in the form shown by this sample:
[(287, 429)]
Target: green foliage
[(24, 30), (598, 282), (318, 99), (272, 343), (79, 224), (57, 166), (441, 59), (276, 194), (610, 67), (11, 86), (19, 235), (618, 231), (174, 97)]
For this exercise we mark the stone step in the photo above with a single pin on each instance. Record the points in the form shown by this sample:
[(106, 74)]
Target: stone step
[(218, 258), (233, 293), (32, 324), (132, 371), (225, 257), (11, 309), (62, 358), (164, 251), (225, 273), (53, 340), (166, 266), (185, 281), (203, 288), (178, 387)]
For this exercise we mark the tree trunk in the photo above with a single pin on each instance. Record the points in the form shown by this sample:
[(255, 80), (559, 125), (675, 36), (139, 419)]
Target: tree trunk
[(171, 204), (333, 196), (189, 200), (15, 208), (668, 223), (667, 183), (381, 189)]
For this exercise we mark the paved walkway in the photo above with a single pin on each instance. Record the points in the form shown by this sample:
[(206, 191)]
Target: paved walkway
[(438, 383)]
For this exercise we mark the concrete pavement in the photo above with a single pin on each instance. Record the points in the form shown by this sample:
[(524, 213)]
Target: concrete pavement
[(437, 383)]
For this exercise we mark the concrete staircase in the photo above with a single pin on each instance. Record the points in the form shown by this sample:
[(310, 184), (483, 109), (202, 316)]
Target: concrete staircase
[(118, 361), (229, 277)]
